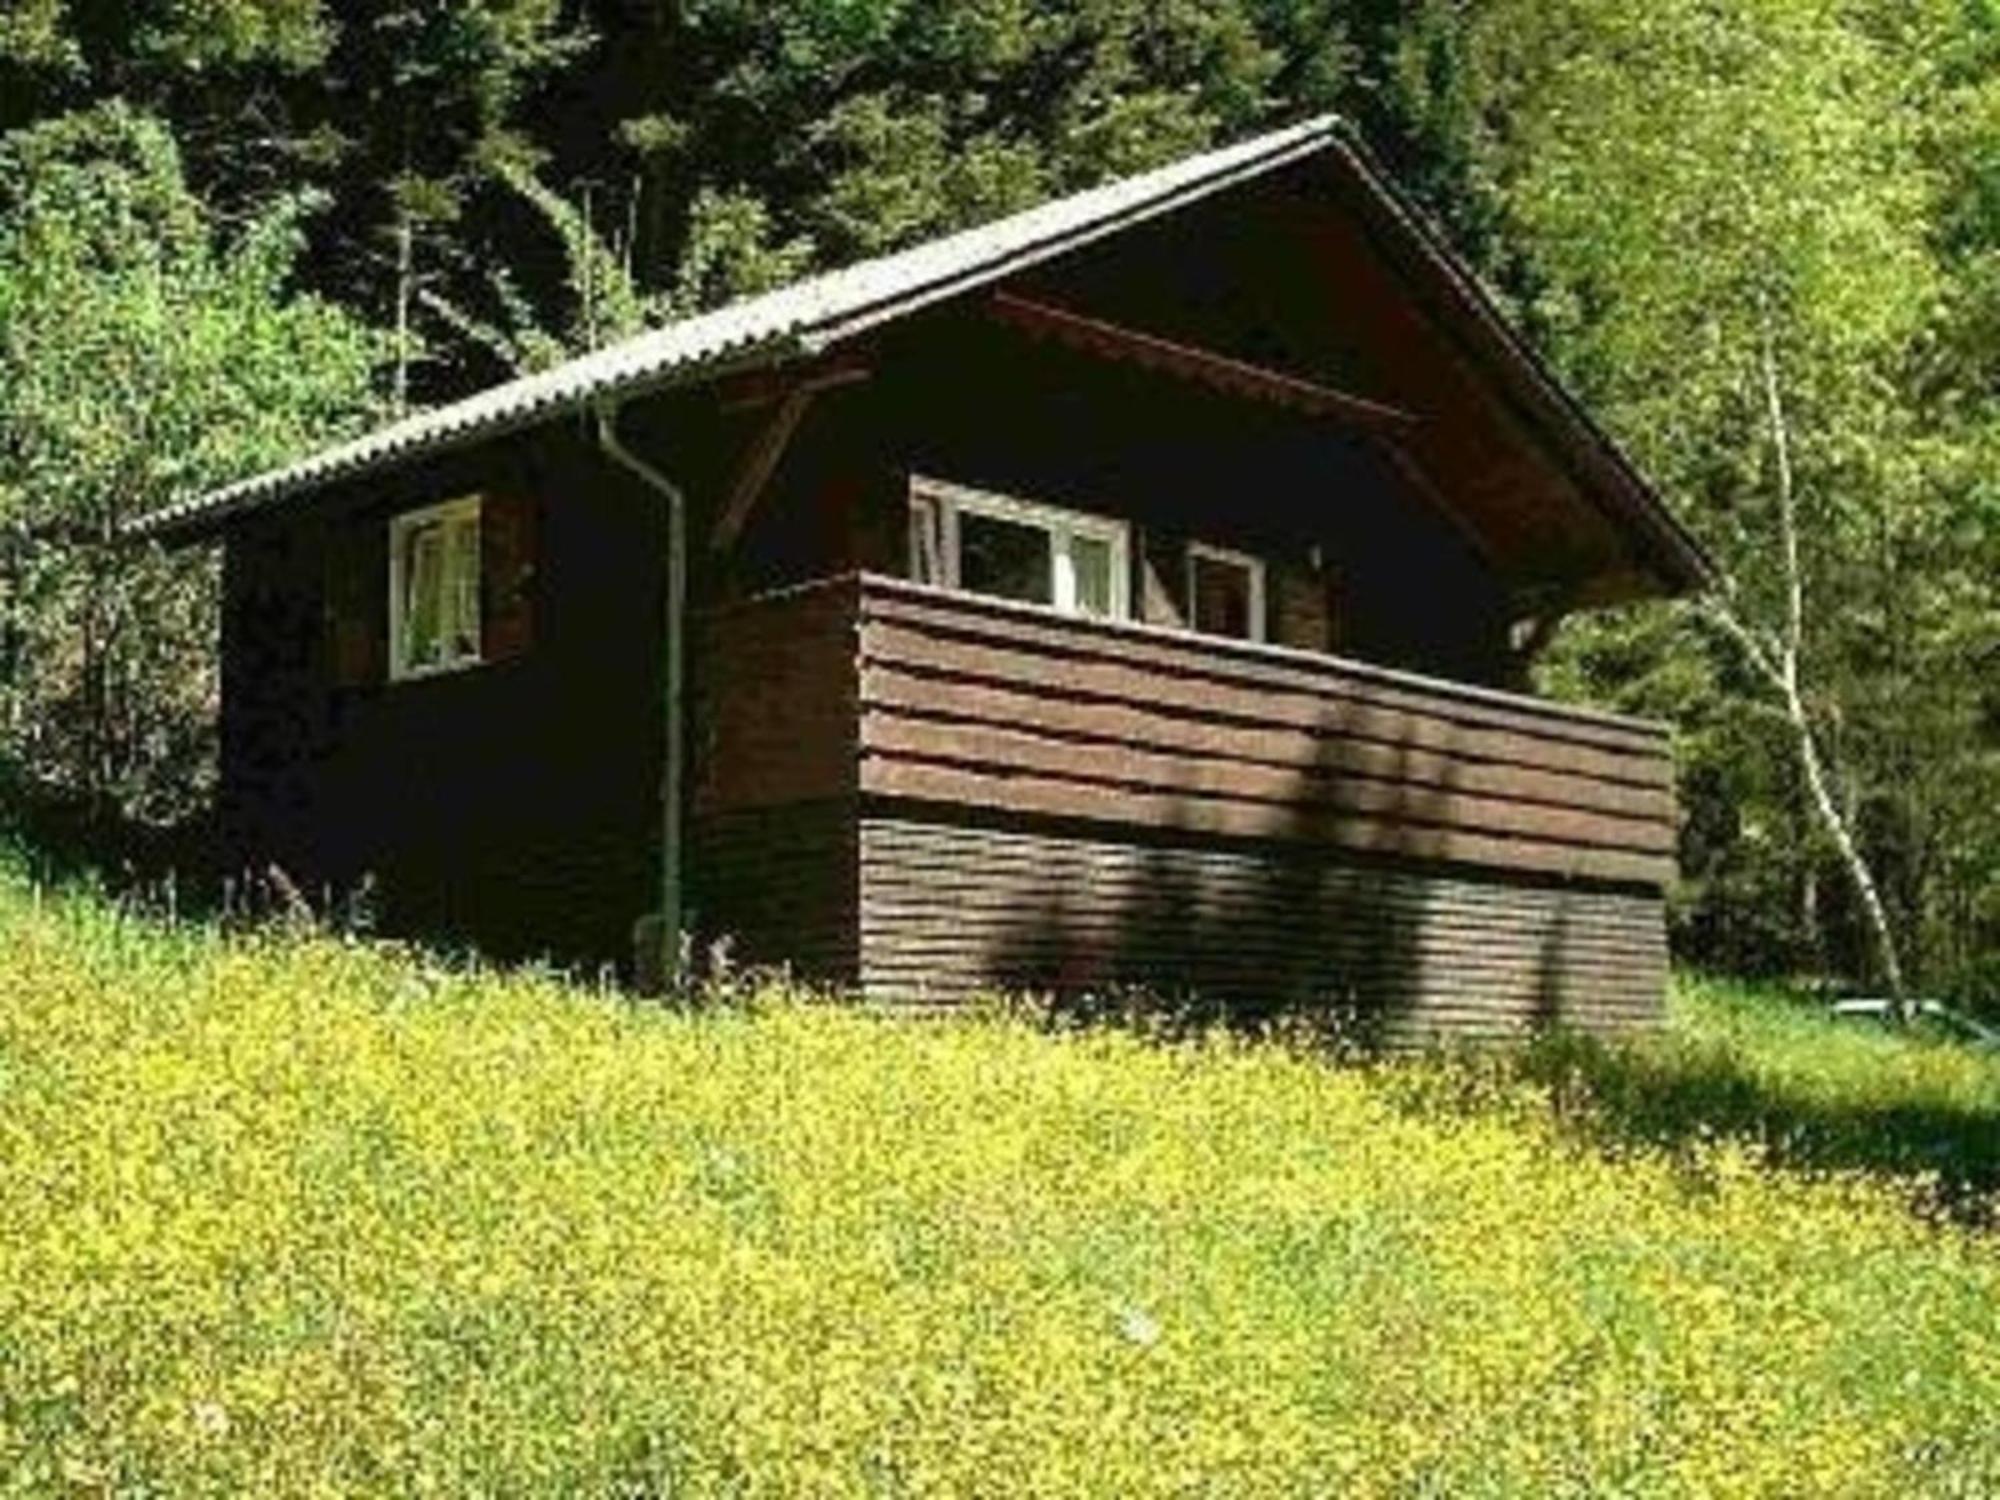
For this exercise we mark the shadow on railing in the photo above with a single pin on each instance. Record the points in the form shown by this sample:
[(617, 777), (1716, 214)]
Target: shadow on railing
[(1209, 936)]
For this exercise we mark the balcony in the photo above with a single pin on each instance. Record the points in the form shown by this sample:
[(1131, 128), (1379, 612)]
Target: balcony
[(916, 790)]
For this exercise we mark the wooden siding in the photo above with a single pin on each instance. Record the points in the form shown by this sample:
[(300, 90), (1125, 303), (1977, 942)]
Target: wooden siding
[(779, 886), (1293, 277), (927, 795), (954, 908), (775, 717), (970, 703), (513, 804), (772, 861), (976, 406)]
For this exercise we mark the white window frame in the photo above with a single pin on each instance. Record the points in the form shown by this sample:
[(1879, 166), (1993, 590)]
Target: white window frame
[(1062, 524), (401, 668), (1251, 564)]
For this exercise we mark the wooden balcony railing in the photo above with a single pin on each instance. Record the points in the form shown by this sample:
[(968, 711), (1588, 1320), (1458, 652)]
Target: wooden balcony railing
[(875, 688)]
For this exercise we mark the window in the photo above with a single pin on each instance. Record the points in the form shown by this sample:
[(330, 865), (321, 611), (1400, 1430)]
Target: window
[(434, 589), (1014, 549), (1225, 592)]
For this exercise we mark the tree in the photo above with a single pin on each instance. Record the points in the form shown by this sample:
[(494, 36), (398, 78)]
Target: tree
[(853, 126), (142, 355), (389, 116), (1731, 215), (709, 149), (710, 144)]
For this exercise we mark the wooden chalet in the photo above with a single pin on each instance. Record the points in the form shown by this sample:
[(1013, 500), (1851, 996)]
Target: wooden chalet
[(1139, 590)]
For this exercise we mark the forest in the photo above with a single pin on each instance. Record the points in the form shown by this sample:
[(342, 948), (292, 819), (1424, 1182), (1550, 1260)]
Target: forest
[(1761, 238)]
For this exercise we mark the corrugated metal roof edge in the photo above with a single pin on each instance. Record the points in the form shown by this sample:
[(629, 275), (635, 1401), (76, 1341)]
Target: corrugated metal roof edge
[(625, 371)]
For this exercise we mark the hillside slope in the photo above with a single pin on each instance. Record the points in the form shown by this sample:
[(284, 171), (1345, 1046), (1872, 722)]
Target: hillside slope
[(285, 1216)]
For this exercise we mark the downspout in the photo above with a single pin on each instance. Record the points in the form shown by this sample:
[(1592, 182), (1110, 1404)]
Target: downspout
[(672, 773)]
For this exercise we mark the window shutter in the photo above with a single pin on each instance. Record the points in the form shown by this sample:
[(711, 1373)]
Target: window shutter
[(357, 602), (1301, 605), (1162, 557), (507, 575)]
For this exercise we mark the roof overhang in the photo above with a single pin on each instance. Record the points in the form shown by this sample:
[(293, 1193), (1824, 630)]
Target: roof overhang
[(1599, 466)]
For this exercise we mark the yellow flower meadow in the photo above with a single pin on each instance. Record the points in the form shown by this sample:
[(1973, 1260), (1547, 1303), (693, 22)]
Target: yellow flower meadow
[(300, 1217)]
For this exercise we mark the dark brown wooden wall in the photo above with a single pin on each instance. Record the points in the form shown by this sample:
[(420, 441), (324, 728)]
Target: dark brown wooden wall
[(931, 795), (514, 804), (1357, 561), (1298, 274), (773, 874), (773, 701), (773, 831), (778, 887), (954, 908)]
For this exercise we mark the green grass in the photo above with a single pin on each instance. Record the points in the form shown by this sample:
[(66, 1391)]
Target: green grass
[(1759, 1065), (291, 1216)]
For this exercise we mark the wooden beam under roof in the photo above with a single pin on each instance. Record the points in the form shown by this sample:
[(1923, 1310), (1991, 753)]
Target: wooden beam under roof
[(1187, 362)]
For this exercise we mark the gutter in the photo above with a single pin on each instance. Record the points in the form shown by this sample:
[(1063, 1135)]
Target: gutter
[(659, 953)]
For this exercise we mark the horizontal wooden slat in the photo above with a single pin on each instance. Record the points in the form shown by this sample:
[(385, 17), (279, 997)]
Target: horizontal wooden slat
[(1357, 941), (990, 748), (1007, 662), (950, 910), (773, 705), (1005, 877), (781, 884), (1161, 864), (1353, 933), (891, 601), (1063, 798), (1201, 730)]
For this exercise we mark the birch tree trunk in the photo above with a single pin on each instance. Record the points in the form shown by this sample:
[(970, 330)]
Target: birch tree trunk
[(1776, 658)]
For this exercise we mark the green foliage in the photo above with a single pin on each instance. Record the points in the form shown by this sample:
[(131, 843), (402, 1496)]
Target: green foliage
[(141, 356), (32, 36), (759, 141), (48, 47), (390, 114), (1702, 195), (711, 144), (287, 1217)]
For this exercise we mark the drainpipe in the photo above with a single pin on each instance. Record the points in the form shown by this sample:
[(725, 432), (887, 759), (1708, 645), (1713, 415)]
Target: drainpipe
[(676, 614)]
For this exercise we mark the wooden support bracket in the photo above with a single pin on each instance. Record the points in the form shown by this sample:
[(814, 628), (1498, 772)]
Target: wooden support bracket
[(767, 450)]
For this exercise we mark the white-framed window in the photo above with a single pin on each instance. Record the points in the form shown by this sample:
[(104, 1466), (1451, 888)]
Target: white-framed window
[(1019, 549), (1225, 592), (434, 589)]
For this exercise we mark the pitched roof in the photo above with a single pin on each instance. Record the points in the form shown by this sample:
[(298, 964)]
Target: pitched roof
[(807, 317), (794, 321)]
